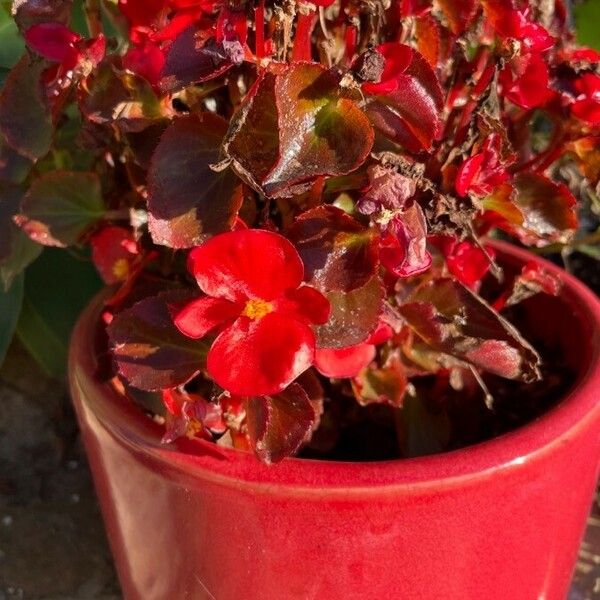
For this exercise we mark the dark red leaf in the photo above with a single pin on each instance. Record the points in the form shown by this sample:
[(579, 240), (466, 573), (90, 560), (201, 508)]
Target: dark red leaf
[(252, 140), (32, 12), (354, 316), (279, 424), (120, 97), (150, 352), (295, 127), (193, 58), (60, 206), (337, 251), (25, 119), (538, 211), (321, 132), (381, 385), (188, 201), (455, 321), (406, 105)]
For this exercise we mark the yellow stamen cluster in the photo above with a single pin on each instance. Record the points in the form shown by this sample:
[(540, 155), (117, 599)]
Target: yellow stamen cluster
[(257, 309)]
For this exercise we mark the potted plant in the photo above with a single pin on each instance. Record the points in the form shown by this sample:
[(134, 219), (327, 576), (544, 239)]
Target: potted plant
[(316, 372)]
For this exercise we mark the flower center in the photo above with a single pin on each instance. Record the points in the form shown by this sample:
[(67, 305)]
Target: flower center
[(121, 268), (257, 309)]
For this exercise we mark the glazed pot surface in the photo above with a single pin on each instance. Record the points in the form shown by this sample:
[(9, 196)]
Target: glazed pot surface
[(501, 520)]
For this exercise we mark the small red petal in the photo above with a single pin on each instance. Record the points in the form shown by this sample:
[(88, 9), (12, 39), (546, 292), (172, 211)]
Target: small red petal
[(344, 362), (146, 60), (53, 41), (467, 172), (141, 12), (382, 334), (397, 59), (260, 357), (306, 304), (202, 315), (587, 110), (250, 263)]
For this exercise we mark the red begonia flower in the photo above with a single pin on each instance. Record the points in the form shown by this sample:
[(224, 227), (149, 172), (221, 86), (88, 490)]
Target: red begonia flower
[(350, 361), (55, 42), (145, 60), (587, 105), (514, 24), (483, 171), (254, 298), (525, 81), (113, 252), (465, 260)]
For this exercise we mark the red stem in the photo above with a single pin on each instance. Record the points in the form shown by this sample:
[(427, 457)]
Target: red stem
[(259, 24), (302, 45)]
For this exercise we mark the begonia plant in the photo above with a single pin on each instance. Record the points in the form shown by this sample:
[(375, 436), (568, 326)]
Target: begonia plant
[(291, 202)]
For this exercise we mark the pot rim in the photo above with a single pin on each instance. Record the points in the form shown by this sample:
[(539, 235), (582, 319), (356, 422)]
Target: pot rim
[(202, 459)]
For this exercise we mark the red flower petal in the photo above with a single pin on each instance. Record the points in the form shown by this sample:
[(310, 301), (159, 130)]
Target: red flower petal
[(587, 110), (250, 263), (306, 304), (344, 362), (53, 41), (141, 12), (382, 334), (397, 59), (529, 87), (467, 172), (146, 60), (202, 315), (263, 356)]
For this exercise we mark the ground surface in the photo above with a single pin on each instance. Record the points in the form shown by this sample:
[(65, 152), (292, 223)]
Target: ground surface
[(52, 543)]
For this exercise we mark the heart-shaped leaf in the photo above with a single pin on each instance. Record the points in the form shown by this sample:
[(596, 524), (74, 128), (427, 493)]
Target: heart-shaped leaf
[(188, 200), (337, 251), (277, 425), (60, 206), (150, 352), (377, 385), (318, 129), (454, 320), (354, 315)]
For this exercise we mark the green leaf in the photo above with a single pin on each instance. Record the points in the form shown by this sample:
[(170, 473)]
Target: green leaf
[(16, 249), (52, 303), (10, 308), (587, 17), (60, 206), (188, 200), (11, 43)]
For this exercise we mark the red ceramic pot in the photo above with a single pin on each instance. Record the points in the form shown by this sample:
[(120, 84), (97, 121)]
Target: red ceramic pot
[(501, 520)]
